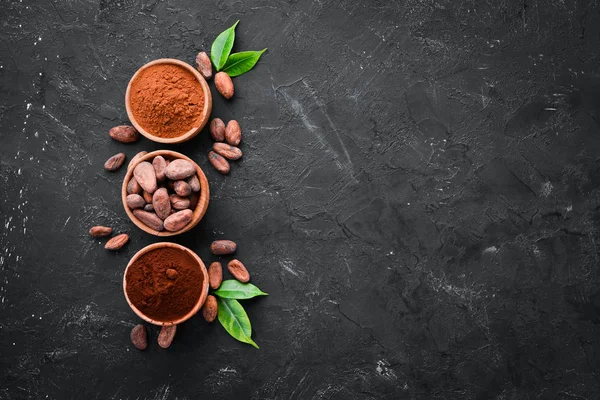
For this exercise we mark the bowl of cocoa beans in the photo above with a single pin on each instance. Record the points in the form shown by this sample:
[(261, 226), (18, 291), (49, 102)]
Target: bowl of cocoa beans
[(165, 193), (165, 283)]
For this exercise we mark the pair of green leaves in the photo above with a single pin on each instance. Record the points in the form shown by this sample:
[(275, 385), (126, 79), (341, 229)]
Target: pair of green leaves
[(233, 64), (231, 314)]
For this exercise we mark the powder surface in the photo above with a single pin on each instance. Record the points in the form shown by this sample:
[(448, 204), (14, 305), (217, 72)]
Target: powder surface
[(157, 291), (167, 100)]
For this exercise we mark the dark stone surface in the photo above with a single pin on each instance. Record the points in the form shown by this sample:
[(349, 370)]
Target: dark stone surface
[(418, 194)]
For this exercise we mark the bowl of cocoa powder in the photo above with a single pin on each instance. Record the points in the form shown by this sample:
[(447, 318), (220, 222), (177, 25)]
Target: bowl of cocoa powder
[(168, 101), (165, 283), (165, 193)]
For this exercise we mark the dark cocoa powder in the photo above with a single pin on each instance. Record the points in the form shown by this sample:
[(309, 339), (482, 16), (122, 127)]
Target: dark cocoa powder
[(160, 293)]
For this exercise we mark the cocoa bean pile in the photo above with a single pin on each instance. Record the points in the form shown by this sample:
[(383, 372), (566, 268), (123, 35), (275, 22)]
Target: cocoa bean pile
[(114, 243), (215, 275), (163, 193), (221, 152)]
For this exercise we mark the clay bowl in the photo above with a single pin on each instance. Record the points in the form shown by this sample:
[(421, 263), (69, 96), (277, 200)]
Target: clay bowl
[(203, 292), (205, 112), (202, 202)]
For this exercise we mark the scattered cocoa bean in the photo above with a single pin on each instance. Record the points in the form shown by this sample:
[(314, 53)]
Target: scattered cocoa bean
[(124, 134), (139, 337), (135, 201), (210, 308), (100, 231), (219, 162), (204, 65), (161, 203), (145, 176), (171, 273), (178, 221), (160, 165), (194, 183), (233, 133), (149, 219), (149, 207), (179, 203), (179, 169), (166, 335), (227, 151), (147, 197), (135, 159), (117, 242), (238, 270), (224, 84), (215, 275), (217, 129), (182, 188), (115, 162), (222, 247), (133, 187)]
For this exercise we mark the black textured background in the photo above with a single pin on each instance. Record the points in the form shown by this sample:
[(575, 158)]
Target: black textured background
[(418, 194)]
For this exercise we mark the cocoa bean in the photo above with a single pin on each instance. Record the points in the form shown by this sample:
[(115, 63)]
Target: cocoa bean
[(166, 335), (227, 151), (135, 159), (100, 231), (219, 162), (233, 133), (179, 203), (238, 270), (147, 197), (160, 165), (135, 201), (223, 247), (133, 187), (194, 183), (217, 129), (124, 134), (149, 207), (210, 308), (224, 84), (149, 219), (215, 275), (182, 188), (180, 169), (139, 337), (117, 242), (172, 273), (178, 221), (204, 65), (144, 174), (115, 162), (161, 203)]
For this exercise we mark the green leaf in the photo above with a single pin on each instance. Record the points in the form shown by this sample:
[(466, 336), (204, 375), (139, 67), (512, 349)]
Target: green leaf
[(240, 63), (233, 289), (221, 47), (234, 319)]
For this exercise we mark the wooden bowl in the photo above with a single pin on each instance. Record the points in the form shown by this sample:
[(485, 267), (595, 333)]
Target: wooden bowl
[(203, 292), (205, 112), (202, 201)]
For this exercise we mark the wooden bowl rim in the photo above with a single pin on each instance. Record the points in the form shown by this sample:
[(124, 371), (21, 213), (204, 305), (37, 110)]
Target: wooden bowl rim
[(203, 293), (202, 201), (205, 112)]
